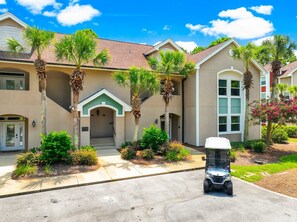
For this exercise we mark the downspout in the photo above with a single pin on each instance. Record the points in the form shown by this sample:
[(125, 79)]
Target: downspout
[(183, 109)]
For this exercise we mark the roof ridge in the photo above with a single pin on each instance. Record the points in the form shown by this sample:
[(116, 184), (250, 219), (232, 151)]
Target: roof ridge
[(112, 40)]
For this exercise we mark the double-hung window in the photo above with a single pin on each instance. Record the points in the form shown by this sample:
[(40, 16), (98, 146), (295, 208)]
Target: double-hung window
[(229, 102)]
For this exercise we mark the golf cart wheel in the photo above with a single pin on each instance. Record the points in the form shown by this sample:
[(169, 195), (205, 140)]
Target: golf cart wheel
[(206, 186), (230, 188)]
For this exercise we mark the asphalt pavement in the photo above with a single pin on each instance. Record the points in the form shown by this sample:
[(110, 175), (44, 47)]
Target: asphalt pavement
[(169, 197)]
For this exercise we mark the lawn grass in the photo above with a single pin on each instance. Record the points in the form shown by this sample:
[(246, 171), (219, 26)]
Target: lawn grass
[(292, 140), (255, 173)]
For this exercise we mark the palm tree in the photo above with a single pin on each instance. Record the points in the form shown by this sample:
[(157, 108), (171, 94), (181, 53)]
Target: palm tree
[(280, 89), (246, 54), (38, 40), (139, 81), (293, 91), (79, 49), (170, 63), (278, 48)]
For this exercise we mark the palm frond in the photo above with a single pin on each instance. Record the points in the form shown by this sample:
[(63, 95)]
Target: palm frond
[(101, 58), (14, 46)]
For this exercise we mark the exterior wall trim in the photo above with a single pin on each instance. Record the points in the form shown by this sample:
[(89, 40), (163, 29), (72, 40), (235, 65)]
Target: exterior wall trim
[(126, 107), (243, 102), (197, 106)]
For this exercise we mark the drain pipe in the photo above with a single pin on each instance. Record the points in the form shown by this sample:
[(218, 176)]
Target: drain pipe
[(183, 109)]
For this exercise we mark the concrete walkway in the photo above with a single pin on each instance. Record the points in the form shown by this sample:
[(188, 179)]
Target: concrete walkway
[(113, 168)]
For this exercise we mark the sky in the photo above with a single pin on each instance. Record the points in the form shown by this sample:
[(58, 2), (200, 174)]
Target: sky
[(188, 22)]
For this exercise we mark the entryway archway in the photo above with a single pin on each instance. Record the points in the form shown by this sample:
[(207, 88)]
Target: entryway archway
[(101, 122)]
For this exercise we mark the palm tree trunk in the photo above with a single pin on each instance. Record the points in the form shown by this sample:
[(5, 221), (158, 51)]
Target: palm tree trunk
[(246, 118), (75, 120), (136, 129), (167, 118), (41, 74), (43, 106)]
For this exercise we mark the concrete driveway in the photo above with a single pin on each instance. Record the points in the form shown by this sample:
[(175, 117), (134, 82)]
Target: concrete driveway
[(170, 197)]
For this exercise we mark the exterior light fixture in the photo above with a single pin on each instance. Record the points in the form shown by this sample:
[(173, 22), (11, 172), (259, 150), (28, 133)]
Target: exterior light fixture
[(33, 123), (156, 121)]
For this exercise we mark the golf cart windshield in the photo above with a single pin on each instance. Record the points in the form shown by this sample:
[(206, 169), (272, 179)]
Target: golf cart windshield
[(217, 159)]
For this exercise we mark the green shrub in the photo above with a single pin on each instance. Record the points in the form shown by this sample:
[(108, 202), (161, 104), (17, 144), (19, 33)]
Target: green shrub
[(22, 170), (248, 144), (291, 131), (128, 153), (35, 149), (171, 155), (240, 146), (126, 144), (259, 147), (279, 135), (55, 147), (183, 153), (28, 159), (84, 157), (177, 155), (233, 154), (147, 154), (153, 137), (87, 148)]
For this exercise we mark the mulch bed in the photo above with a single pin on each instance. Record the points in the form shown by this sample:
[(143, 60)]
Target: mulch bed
[(158, 159), (58, 169), (284, 182), (271, 155)]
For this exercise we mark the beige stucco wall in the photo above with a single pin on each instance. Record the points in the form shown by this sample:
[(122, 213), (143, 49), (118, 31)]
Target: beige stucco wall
[(27, 104), (286, 81), (294, 75), (208, 125), (190, 110)]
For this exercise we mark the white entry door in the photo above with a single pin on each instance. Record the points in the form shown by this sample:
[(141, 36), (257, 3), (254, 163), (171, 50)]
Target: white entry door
[(12, 136)]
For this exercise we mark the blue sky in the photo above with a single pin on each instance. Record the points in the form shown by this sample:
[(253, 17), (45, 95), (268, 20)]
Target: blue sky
[(188, 22)]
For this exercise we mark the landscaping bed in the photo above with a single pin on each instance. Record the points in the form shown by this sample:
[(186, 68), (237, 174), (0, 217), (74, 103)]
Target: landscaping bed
[(56, 156), (58, 169), (278, 173)]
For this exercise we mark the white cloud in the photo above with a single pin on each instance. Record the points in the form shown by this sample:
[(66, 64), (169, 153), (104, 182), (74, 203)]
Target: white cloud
[(261, 40), (188, 46), (36, 6), (50, 13), (243, 25), (75, 14), (96, 23), (239, 13), (2, 2), (3, 10), (263, 9), (166, 27), (148, 31)]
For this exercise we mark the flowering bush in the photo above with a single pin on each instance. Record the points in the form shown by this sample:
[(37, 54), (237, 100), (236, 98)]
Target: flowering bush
[(279, 112)]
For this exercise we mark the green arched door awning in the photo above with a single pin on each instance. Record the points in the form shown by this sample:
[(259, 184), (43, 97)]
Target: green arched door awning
[(103, 98)]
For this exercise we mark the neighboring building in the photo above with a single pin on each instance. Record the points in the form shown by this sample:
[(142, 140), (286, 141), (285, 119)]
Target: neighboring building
[(208, 103), (289, 76)]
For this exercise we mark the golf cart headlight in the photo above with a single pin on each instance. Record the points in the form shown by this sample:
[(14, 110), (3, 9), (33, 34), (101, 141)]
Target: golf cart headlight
[(208, 174)]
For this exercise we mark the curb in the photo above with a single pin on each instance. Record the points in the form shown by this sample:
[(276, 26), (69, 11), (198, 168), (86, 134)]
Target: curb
[(96, 182)]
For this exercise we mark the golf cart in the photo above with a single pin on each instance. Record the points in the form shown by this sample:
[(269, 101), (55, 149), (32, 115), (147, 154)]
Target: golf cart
[(217, 167)]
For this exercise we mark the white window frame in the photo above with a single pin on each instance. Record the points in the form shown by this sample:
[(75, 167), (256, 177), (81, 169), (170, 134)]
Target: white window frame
[(236, 76)]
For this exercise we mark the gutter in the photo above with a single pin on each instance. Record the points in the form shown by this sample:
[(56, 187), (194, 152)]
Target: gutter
[(183, 109)]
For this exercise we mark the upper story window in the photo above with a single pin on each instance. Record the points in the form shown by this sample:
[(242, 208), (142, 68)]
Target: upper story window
[(263, 81), (12, 81), (229, 106)]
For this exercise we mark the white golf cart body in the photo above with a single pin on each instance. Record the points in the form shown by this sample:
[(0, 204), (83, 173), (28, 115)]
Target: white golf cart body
[(217, 167)]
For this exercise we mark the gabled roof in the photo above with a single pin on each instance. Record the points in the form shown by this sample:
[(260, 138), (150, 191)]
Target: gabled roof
[(160, 44), (8, 15), (208, 53), (289, 69), (123, 55)]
